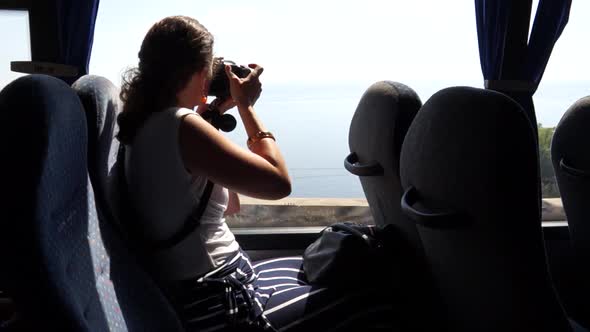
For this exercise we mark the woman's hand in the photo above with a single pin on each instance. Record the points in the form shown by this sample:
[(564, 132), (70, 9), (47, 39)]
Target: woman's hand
[(245, 91), (233, 204), (223, 105)]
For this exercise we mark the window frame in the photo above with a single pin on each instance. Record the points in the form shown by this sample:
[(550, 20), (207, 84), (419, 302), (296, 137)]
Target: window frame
[(15, 5), (43, 27)]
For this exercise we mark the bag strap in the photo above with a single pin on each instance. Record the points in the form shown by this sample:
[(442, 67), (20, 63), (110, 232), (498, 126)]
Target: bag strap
[(368, 239), (191, 223), (126, 210)]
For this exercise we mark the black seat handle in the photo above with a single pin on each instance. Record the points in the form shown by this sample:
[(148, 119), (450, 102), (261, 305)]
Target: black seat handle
[(438, 220), (572, 171), (352, 164)]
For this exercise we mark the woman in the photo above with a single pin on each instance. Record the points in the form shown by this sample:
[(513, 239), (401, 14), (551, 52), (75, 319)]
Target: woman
[(171, 152)]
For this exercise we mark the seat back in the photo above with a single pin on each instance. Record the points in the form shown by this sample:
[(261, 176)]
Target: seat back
[(102, 105), (377, 130), (470, 174), (62, 263), (571, 162)]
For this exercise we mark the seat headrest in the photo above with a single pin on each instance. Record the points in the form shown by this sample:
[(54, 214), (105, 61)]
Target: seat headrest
[(376, 133), (571, 139), (473, 149), (383, 117), (37, 110), (101, 102)]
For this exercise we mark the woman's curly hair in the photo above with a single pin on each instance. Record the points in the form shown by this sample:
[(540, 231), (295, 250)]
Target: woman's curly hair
[(173, 50)]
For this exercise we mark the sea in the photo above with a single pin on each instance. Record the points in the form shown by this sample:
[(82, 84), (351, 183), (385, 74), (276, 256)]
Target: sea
[(311, 123), (311, 120)]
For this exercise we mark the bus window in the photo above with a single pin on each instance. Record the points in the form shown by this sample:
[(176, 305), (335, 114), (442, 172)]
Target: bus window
[(320, 56), (15, 37), (566, 80)]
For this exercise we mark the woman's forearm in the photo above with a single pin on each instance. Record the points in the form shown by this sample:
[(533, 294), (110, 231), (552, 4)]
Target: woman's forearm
[(252, 124), (266, 148)]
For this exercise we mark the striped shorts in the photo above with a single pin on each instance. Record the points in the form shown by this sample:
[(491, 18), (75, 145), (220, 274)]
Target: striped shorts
[(273, 295)]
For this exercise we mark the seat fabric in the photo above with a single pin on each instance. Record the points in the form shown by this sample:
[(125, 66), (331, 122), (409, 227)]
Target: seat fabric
[(102, 105), (63, 264)]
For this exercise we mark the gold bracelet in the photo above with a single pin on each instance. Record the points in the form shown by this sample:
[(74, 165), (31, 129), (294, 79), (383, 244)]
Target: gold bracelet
[(258, 137)]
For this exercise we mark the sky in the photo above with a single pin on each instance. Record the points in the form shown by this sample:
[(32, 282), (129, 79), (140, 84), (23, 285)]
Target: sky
[(303, 41), (427, 44), (334, 41)]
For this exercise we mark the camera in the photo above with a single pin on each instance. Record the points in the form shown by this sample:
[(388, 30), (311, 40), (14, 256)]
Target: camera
[(219, 86)]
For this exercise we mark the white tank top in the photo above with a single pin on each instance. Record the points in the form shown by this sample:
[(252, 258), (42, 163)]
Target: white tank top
[(164, 194)]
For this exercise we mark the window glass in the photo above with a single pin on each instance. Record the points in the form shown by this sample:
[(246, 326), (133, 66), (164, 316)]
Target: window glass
[(16, 46), (566, 79), (320, 56)]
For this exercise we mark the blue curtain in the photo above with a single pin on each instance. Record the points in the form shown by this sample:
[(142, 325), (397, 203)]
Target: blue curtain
[(492, 24), (551, 18), (76, 19), (494, 18)]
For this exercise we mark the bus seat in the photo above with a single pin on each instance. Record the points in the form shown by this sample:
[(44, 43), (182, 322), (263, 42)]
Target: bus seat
[(377, 131), (101, 102), (571, 162), (61, 261), (470, 177)]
